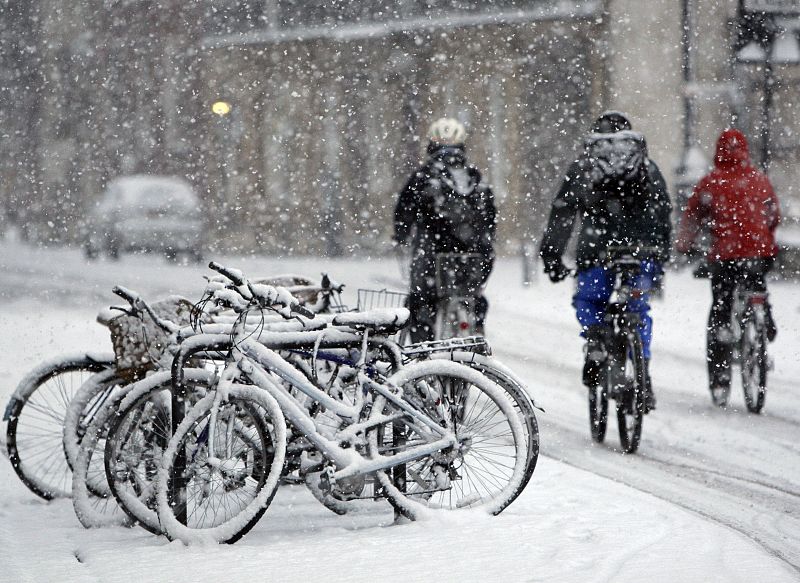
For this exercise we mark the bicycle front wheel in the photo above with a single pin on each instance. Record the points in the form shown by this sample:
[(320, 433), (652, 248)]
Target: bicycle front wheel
[(630, 404), (217, 489), (485, 469), (754, 362), (138, 434), (598, 407), (35, 414)]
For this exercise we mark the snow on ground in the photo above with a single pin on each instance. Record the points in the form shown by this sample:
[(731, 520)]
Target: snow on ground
[(712, 495)]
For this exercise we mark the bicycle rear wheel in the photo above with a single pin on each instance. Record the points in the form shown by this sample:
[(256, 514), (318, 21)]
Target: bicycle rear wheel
[(754, 363), (513, 389), (455, 318), (630, 405), (486, 469), (220, 498), (35, 415)]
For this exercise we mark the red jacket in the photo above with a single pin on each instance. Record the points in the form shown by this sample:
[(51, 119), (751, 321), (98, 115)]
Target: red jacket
[(735, 202)]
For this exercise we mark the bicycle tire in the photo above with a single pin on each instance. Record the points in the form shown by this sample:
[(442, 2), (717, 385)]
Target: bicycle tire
[(458, 399), (92, 501), (630, 408), (598, 407), (754, 364), (267, 469), (89, 400), (132, 475), (514, 389), (43, 396)]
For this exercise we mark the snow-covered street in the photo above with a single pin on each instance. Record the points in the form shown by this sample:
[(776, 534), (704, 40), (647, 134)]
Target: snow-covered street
[(711, 495)]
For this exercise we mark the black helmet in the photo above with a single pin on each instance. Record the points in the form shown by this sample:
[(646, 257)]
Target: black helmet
[(611, 122)]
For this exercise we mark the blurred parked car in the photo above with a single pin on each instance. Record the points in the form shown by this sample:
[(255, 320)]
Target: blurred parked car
[(146, 213)]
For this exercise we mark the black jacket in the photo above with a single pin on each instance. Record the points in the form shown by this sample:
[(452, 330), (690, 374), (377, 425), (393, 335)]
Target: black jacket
[(634, 213), (425, 208)]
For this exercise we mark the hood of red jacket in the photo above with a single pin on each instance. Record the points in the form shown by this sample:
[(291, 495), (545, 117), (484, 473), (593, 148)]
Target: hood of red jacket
[(732, 150)]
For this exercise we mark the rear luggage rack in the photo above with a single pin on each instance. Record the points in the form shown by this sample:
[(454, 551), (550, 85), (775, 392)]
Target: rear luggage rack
[(476, 344)]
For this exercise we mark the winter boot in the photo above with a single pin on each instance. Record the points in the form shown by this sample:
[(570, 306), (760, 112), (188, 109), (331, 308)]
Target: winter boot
[(772, 329), (649, 394), (595, 355)]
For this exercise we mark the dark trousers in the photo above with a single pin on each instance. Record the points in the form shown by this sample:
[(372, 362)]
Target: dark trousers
[(423, 296), (726, 276)]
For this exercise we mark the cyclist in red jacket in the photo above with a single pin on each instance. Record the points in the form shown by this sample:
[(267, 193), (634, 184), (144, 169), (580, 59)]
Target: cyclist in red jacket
[(738, 206)]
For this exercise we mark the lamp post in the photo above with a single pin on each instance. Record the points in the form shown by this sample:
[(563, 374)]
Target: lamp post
[(229, 129), (693, 163), (759, 39)]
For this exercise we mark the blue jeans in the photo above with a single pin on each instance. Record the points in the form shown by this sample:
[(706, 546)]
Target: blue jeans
[(594, 288)]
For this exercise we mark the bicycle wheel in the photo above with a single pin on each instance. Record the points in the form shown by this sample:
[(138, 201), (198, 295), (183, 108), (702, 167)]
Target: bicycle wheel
[(92, 500), (754, 364), (630, 404), (515, 392), (138, 434), (35, 415), (598, 407), (455, 318), (220, 497), (89, 400), (485, 470)]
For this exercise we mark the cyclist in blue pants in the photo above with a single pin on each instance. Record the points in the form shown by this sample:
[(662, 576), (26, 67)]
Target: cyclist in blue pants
[(620, 198), (593, 291)]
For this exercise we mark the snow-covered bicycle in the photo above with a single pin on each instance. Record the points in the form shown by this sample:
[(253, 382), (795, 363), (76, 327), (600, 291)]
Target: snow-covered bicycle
[(450, 421)]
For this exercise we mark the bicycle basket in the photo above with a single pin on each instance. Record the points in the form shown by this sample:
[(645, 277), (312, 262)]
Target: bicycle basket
[(459, 274), (369, 299), (138, 342)]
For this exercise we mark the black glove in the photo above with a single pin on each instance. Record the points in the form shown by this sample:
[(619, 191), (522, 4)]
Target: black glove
[(556, 270)]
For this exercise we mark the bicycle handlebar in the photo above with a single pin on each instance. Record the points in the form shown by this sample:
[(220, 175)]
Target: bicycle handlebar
[(267, 296), (636, 251), (236, 276), (139, 305)]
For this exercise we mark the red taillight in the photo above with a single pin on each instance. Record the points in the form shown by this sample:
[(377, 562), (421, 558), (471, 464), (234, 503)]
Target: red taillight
[(758, 299), (463, 325)]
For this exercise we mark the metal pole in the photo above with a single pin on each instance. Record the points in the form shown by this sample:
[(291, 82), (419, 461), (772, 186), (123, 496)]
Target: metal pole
[(685, 174), (766, 114), (688, 75)]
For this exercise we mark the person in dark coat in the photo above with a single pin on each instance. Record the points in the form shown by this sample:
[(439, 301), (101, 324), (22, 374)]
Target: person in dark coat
[(445, 207), (737, 205), (625, 206)]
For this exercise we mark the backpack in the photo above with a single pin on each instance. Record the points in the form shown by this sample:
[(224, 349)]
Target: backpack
[(615, 158), (457, 203)]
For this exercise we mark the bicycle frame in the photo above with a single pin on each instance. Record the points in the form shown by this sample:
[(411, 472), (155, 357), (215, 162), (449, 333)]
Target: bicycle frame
[(255, 362)]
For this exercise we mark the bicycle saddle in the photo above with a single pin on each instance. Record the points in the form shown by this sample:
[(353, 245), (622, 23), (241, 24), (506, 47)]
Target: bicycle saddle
[(383, 320)]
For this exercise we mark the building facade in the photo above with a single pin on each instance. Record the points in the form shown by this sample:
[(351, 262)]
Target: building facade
[(329, 102)]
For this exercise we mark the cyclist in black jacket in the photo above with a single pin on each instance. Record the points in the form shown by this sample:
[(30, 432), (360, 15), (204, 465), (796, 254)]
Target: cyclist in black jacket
[(626, 206), (445, 207)]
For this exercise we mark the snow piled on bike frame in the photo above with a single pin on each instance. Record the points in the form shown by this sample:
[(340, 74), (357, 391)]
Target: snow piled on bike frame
[(576, 521)]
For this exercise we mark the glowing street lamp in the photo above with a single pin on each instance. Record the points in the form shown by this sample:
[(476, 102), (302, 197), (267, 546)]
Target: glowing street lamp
[(221, 108)]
